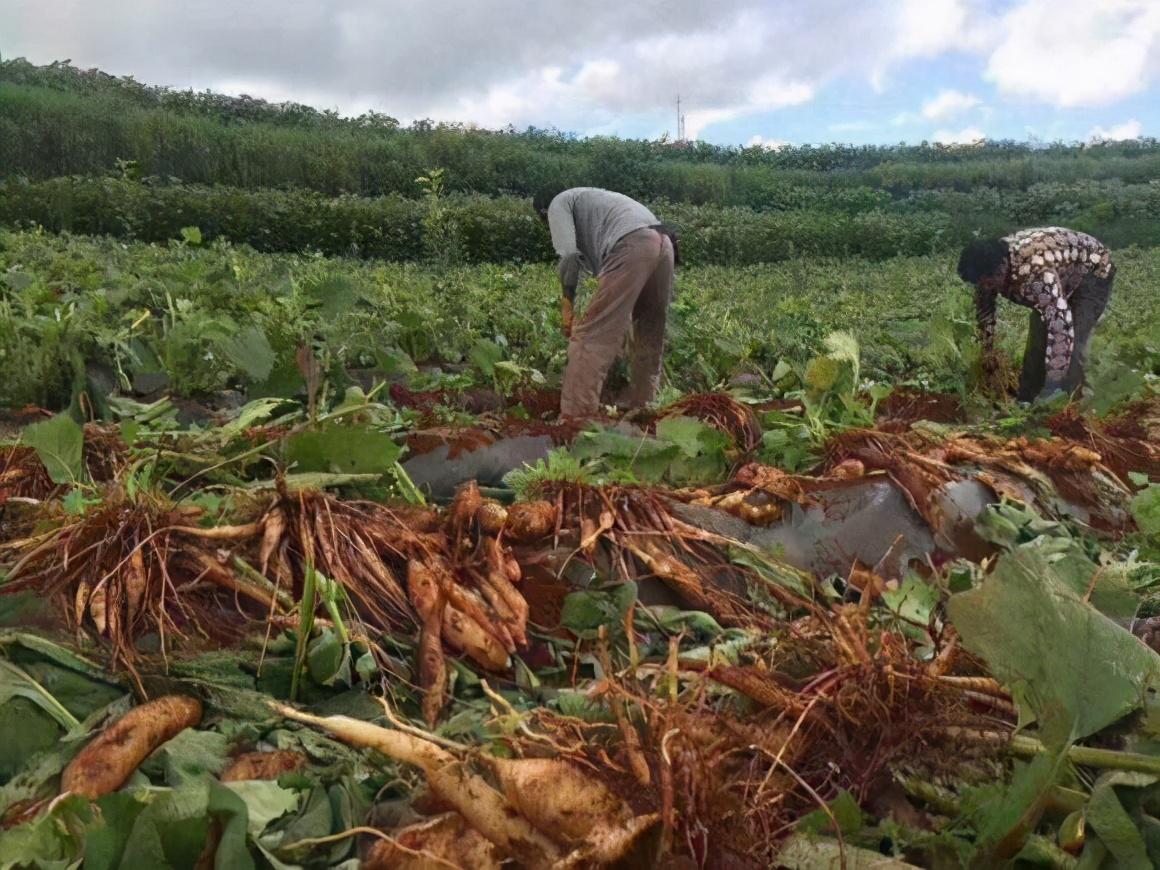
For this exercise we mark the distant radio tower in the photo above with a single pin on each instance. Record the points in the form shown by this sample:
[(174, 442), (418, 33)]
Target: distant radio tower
[(680, 121)]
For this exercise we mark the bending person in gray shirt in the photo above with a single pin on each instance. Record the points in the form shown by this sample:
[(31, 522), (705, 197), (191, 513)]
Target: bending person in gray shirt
[(632, 255)]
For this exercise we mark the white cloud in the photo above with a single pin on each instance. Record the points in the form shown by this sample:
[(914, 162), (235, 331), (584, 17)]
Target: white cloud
[(768, 144), (1077, 52), (764, 96), (1117, 133), (948, 104), (927, 28), (966, 136), (602, 66), (607, 65)]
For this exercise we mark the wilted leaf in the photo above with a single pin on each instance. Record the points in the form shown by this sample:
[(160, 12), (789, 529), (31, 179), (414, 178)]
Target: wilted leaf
[(59, 442), (1007, 818)]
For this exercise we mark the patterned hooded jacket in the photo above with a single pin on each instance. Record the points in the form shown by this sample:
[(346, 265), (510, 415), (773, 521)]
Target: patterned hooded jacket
[(1045, 267)]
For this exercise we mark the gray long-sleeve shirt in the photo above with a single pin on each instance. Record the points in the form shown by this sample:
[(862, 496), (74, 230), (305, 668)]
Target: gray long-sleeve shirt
[(587, 222)]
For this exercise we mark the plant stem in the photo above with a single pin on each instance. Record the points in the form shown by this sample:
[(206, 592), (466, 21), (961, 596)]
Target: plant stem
[(1089, 756)]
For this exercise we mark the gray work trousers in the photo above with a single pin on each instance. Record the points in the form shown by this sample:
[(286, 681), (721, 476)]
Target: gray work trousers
[(633, 291)]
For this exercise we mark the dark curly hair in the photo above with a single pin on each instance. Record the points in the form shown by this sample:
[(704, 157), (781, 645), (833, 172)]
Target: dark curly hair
[(981, 259), (544, 196)]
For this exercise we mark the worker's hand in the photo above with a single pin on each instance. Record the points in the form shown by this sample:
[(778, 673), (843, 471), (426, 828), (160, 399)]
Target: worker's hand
[(566, 317)]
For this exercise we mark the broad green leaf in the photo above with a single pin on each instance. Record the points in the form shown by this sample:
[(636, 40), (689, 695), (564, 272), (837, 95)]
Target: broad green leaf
[(172, 830), (584, 612), (328, 659), (1034, 630), (694, 437), (191, 235), (843, 809), (265, 801), (190, 755), (913, 601), (343, 450), (250, 352), (105, 841), (232, 813), (1145, 509), (15, 682), (332, 294), (1116, 829), (59, 442), (484, 355)]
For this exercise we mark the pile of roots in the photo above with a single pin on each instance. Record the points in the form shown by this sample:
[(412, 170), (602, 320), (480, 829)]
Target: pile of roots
[(698, 759)]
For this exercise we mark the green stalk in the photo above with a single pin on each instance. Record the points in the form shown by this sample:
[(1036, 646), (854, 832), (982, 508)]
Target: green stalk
[(1089, 756), (259, 580), (305, 627)]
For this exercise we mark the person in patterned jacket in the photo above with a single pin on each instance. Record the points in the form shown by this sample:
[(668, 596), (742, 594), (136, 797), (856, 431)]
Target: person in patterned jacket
[(1064, 277)]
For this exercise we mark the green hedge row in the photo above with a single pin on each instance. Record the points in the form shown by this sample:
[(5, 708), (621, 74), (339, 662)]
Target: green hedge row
[(476, 229), (468, 229)]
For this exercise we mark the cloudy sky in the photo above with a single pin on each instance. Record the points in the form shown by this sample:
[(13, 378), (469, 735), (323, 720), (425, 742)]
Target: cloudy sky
[(748, 71)]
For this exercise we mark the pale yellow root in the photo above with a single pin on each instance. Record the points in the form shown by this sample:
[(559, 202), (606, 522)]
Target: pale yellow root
[(484, 808)]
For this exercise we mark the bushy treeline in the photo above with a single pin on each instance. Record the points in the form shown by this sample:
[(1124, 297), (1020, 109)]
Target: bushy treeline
[(58, 120)]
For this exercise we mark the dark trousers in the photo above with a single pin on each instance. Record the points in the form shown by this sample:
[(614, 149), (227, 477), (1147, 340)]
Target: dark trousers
[(1087, 307)]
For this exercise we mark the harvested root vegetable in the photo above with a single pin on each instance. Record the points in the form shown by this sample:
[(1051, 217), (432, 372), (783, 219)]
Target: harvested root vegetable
[(432, 667), (483, 808), (530, 521), (464, 508), (465, 634), (557, 797), (509, 604), (263, 765), (636, 843), (491, 517), (463, 622), (428, 844), (107, 762)]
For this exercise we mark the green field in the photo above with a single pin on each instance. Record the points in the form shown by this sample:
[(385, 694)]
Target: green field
[(833, 599)]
